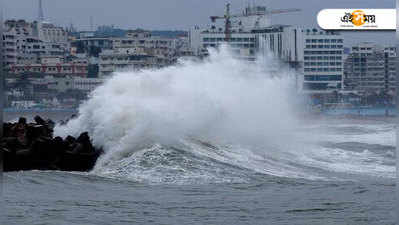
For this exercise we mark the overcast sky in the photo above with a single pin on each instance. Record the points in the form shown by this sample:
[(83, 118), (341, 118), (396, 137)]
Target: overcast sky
[(178, 14)]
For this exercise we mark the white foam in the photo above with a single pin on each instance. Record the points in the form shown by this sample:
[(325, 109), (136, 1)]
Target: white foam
[(135, 115)]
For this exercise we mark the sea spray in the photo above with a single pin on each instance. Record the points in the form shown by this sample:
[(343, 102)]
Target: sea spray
[(199, 121), (220, 98)]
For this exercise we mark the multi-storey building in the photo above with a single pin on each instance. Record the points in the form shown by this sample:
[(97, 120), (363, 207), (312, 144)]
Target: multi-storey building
[(370, 68), (132, 58), (48, 32), (317, 56), (282, 41), (322, 61), (242, 42), (243, 32), (23, 44), (52, 66), (153, 45)]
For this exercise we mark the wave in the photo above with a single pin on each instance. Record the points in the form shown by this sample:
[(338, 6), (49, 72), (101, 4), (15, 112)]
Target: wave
[(217, 120)]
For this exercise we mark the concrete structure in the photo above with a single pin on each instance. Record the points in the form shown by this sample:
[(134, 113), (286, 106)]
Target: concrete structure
[(371, 68), (243, 43), (152, 45), (67, 83), (133, 58), (323, 61), (52, 66), (48, 32), (23, 44), (240, 31), (282, 41)]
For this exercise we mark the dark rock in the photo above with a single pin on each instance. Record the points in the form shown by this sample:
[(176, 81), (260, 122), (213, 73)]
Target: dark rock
[(32, 146)]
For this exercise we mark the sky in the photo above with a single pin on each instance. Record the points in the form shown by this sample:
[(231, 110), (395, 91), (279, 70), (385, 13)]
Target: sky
[(180, 14)]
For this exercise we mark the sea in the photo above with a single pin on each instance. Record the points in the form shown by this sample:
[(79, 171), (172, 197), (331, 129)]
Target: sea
[(212, 142)]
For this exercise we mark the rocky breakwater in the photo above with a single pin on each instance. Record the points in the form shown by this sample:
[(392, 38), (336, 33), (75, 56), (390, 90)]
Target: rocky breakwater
[(31, 146)]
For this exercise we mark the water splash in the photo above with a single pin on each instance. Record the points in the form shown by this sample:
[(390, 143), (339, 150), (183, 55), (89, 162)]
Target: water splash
[(143, 119)]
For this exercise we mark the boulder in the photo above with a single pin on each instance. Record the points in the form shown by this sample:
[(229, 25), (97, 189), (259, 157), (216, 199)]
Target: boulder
[(33, 147)]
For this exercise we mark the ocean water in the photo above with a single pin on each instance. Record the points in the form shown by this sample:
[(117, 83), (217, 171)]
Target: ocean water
[(350, 182), (213, 142)]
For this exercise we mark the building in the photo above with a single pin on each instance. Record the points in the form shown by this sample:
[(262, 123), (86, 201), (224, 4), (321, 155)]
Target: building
[(52, 66), (241, 31), (370, 68), (132, 58), (91, 45), (282, 41), (71, 83), (23, 43), (242, 40), (48, 32), (140, 50), (322, 61)]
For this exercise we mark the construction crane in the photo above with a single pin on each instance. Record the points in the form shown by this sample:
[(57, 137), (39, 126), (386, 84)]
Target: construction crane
[(227, 17), (249, 11)]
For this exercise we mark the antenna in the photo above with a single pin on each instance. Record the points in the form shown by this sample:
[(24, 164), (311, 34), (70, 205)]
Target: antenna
[(41, 13)]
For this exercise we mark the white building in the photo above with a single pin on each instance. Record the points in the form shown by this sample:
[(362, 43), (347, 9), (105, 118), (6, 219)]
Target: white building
[(133, 58), (243, 43), (243, 34), (48, 32), (323, 61), (284, 42), (23, 43)]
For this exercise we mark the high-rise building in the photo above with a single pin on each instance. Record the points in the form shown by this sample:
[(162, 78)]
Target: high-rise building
[(23, 44), (285, 42), (240, 31), (323, 61), (370, 68)]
